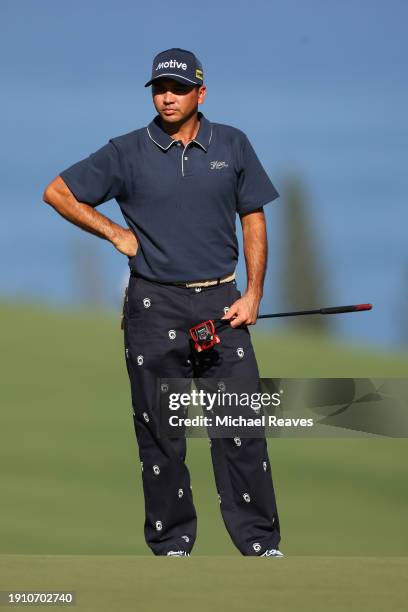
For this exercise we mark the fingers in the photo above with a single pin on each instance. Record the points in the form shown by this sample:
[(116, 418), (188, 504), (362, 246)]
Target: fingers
[(239, 314), (239, 320), (232, 311), (244, 317)]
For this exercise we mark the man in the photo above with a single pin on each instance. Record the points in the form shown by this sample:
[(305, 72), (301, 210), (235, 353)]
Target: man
[(180, 182)]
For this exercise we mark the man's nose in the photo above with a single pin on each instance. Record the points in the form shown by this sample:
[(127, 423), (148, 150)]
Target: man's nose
[(168, 97)]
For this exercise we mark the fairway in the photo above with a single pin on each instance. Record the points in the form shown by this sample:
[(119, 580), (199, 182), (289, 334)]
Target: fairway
[(318, 584), (71, 514)]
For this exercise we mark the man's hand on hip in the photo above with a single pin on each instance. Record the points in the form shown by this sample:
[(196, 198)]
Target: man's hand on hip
[(84, 215), (244, 311), (126, 242)]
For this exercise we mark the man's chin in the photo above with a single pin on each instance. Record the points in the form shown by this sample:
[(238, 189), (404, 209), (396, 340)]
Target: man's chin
[(171, 118)]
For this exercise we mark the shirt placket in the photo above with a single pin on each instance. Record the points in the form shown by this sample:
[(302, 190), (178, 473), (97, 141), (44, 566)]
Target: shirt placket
[(186, 160)]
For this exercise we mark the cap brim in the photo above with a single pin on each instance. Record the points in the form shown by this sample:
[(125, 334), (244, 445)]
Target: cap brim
[(174, 77)]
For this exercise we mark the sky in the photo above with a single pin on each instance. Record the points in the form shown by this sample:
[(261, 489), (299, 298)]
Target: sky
[(319, 87)]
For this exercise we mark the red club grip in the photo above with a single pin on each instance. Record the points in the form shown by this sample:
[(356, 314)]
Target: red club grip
[(340, 309)]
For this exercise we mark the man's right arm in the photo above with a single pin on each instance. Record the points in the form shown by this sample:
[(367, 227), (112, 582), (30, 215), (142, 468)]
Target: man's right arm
[(87, 218)]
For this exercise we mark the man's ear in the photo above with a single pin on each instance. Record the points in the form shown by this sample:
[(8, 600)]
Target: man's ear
[(202, 90)]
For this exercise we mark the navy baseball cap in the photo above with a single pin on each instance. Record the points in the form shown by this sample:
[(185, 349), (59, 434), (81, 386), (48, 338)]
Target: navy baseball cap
[(179, 65)]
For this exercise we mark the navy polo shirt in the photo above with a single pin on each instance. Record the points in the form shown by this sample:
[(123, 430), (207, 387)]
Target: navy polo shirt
[(180, 201)]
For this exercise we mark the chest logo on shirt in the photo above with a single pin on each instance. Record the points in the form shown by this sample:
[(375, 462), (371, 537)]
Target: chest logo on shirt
[(218, 165)]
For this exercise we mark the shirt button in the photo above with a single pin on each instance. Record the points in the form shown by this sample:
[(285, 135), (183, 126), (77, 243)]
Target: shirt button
[(197, 289), (179, 144), (186, 158), (188, 362)]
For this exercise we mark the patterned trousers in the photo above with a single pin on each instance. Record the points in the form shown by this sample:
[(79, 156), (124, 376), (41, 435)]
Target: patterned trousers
[(157, 318)]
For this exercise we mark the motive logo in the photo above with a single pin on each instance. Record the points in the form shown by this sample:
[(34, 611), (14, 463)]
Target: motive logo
[(171, 64)]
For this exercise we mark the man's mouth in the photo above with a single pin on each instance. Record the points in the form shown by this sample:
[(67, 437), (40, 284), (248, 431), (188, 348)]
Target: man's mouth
[(169, 111)]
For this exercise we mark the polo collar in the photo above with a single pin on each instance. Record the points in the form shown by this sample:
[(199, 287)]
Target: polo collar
[(164, 140)]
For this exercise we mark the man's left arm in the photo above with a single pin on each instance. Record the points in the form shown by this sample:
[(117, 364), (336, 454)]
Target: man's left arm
[(245, 310)]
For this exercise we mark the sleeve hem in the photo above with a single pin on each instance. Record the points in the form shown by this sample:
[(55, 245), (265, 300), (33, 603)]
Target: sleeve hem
[(253, 206), (74, 191)]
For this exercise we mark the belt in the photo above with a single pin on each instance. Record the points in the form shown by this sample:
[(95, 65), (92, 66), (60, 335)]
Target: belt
[(207, 283)]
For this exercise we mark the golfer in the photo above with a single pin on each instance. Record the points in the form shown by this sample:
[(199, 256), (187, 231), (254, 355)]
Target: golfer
[(180, 182)]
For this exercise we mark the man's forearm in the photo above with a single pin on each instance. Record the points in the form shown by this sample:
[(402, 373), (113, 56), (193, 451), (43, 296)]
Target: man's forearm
[(80, 214), (255, 250), (244, 311)]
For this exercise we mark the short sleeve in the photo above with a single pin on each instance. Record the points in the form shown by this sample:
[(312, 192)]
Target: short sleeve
[(255, 188), (97, 178)]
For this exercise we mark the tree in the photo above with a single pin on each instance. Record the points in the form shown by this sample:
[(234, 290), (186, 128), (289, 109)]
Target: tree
[(302, 277)]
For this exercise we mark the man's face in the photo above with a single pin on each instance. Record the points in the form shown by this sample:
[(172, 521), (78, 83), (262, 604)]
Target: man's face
[(175, 101)]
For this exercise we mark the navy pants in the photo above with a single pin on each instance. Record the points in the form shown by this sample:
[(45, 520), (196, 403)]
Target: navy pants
[(157, 318)]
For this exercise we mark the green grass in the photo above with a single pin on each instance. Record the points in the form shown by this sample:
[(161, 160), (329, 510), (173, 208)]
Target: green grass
[(70, 480), (318, 584)]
